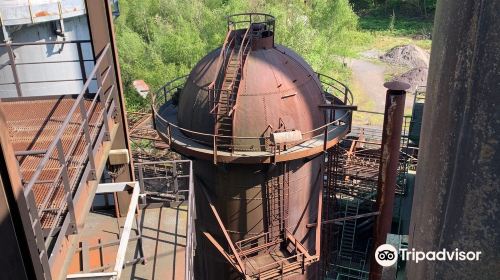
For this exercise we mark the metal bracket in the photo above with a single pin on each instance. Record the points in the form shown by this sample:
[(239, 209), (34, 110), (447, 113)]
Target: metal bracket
[(114, 114), (72, 229), (106, 136), (92, 175)]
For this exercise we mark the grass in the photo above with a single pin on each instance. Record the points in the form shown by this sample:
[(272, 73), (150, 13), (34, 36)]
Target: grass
[(401, 26), (387, 34), (380, 34), (384, 42)]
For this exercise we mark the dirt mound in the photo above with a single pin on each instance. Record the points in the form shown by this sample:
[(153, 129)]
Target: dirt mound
[(415, 77), (408, 55)]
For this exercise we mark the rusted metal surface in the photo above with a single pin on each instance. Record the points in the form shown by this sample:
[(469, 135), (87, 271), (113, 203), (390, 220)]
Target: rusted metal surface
[(277, 92), (265, 255), (352, 174), (269, 76), (62, 142), (68, 152), (267, 192), (389, 163), (32, 126), (456, 201), (124, 236), (165, 232), (14, 244), (102, 33), (201, 144), (268, 88)]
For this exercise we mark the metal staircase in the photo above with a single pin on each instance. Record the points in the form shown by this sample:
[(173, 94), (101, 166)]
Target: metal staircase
[(349, 228), (225, 87)]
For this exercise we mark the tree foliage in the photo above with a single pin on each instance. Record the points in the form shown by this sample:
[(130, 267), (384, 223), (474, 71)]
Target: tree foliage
[(406, 8), (159, 40)]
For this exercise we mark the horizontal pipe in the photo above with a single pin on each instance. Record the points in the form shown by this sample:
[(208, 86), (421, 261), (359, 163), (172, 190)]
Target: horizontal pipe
[(344, 219), (44, 43), (30, 153), (338, 106), (95, 275)]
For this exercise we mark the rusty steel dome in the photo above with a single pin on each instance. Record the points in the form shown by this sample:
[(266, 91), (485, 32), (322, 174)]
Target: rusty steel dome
[(248, 93), (278, 90), (259, 108)]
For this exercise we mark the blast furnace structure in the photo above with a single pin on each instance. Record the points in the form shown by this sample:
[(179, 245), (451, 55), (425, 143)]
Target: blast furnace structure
[(257, 121)]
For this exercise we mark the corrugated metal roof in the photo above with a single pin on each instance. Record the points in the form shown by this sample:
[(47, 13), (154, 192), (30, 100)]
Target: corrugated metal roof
[(16, 12)]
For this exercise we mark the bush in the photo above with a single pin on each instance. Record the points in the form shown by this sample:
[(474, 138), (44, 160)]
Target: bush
[(159, 40)]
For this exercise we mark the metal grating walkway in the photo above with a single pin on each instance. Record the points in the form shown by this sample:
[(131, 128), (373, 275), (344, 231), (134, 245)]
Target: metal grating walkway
[(32, 126)]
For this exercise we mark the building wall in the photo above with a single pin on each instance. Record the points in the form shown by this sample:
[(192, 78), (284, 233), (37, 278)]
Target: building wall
[(41, 68)]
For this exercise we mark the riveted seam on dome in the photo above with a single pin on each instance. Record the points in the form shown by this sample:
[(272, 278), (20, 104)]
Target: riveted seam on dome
[(296, 88)]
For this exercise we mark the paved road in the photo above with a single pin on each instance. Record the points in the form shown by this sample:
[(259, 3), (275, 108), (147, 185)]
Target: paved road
[(369, 79)]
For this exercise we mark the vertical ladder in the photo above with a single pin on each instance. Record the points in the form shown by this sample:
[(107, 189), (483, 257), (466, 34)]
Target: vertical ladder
[(278, 202), (331, 209)]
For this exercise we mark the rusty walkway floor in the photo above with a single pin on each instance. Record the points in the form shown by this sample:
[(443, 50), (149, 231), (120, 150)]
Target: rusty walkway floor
[(164, 240), (33, 125)]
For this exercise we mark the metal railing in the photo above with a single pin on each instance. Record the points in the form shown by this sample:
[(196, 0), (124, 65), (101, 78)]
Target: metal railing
[(168, 180), (245, 20), (332, 88), (191, 232), (123, 240), (10, 48), (263, 242), (173, 171), (80, 115), (213, 88)]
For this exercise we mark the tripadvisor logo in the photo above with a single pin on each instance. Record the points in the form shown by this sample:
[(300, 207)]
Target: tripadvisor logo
[(387, 255)]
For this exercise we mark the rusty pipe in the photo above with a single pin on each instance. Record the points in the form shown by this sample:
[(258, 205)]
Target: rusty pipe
[(389, 162)]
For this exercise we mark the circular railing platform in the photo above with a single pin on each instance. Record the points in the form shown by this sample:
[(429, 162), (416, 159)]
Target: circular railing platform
[(201, 145)]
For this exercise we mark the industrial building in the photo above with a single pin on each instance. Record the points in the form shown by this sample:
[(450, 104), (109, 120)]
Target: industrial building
[(254, 168)]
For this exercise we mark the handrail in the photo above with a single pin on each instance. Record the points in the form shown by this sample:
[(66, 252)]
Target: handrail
[(268, 19), (20, 44), (221, 58), (64, 179), (243, 48), (191, 233), (230, 103), (64, 125), (346, 95), (222, 61), (9, 49), (280, 262)]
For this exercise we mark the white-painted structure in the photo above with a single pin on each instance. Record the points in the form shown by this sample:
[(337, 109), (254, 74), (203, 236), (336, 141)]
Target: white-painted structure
[(44, 69)]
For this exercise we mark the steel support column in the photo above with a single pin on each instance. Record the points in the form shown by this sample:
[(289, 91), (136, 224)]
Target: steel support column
[(391, 138), (457, 191)]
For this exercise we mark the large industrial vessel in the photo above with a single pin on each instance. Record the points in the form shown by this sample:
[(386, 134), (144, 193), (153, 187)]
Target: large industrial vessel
[(250, 166), (256, 119)]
